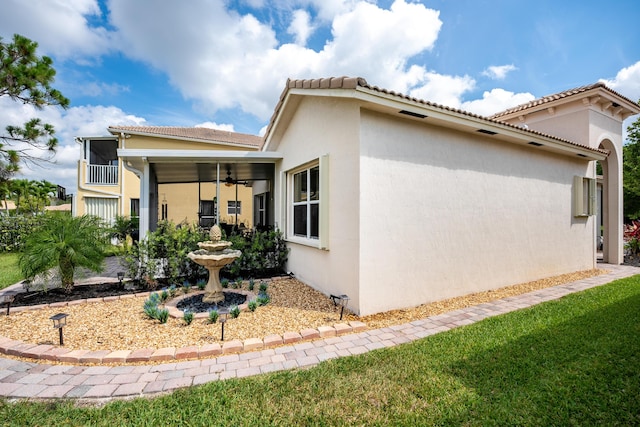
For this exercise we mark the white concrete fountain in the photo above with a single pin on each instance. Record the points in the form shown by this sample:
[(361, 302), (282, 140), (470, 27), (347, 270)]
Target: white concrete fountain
[(213, 255)]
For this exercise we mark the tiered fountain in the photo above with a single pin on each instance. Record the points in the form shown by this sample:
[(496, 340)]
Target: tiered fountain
[(213, 255)]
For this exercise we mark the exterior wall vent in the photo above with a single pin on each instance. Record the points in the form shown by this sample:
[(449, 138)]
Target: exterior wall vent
[(535, 144), (412, 114), (488, 132)]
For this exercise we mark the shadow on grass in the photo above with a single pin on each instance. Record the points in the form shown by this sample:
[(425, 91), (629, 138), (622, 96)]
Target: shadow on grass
[(584, 371)]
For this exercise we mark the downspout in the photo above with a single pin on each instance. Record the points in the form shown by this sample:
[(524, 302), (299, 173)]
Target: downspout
[(218, 193)]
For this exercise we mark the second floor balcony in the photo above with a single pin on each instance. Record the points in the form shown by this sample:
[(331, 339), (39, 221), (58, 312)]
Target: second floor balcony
[(102, 174)]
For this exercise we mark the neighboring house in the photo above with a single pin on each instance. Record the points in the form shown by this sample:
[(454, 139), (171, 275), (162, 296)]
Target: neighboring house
[(107, 187), (396, 201)]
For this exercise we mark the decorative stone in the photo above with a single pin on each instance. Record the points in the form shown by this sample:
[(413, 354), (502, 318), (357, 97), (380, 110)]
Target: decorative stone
[(215, 234)]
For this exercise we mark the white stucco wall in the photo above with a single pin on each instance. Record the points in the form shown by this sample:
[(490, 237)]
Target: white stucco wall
[(444, 214), (325, 126)]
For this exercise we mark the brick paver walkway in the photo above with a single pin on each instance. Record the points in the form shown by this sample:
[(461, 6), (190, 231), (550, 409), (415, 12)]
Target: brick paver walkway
[(33, 380)]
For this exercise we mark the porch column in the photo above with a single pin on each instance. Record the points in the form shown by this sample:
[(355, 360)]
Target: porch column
[(144, 199)]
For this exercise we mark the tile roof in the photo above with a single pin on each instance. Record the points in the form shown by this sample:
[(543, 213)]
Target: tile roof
[(557, 96), (193, 133), (355, 82)]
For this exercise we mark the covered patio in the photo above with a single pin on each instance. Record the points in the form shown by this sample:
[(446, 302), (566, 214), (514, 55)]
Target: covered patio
[(156, 167)]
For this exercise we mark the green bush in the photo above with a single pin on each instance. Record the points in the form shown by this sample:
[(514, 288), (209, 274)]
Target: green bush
[(14, 229), (213, 315), (162, 256), (187, 317), (163, 315), (252, 305), (234, 312), (264, 254)]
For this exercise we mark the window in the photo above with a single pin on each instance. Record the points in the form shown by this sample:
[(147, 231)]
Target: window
[(234, 207), (584, 196), (306, 203), (134, 207)]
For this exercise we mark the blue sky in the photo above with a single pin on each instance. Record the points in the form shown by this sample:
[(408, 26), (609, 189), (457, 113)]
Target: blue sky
[(223, 64)]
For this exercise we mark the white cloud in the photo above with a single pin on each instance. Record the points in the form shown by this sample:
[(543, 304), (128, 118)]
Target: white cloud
[(300, 27), (442, 89), (626, 82), (213, 125), (60, 28), (498, 72), (221, 59), (496, 100)]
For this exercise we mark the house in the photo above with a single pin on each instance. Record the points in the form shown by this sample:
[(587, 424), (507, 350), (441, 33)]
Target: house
[(396, 201), (108, 187)]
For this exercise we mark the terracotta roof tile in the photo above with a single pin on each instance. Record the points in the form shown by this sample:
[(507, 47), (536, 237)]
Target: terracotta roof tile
[(354, 82), (193, 133), (557, 96)]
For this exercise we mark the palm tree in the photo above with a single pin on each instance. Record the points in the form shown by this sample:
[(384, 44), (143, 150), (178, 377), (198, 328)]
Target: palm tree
[(66, 242), (43, 191), (21, 190)]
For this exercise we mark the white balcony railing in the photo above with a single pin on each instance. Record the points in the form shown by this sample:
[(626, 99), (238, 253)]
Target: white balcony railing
[(102, 174)]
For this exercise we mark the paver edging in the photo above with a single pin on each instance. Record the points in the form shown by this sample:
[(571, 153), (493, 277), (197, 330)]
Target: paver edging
[(56, 353)]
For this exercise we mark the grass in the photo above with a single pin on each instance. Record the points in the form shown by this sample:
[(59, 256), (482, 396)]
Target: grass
[(9, 271), (574, 361)]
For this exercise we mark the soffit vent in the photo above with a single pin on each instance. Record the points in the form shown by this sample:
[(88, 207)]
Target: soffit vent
[(488, 132), (535, 144), (412, 114)]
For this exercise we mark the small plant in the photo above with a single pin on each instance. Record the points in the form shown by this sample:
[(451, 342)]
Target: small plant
[(213, 315), (186, 287), (263, 286), (224, 282), (187, 317), (253, 305), (201, 284), (163, 315), (252, 284), (234, 312), (164, 295), (263, 299), (172, 291), (238, 283), (150, 305)]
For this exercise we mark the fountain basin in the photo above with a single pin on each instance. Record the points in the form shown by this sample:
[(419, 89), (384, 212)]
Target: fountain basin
[(175, 312)]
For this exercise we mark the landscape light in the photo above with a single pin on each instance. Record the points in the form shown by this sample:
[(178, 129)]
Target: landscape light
[(59, 321)]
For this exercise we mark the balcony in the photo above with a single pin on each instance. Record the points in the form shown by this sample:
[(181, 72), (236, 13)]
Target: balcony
[(102, 174)]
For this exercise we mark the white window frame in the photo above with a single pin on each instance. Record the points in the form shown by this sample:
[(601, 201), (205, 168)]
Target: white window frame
[(322, 240), (584, 196), (233, 206)]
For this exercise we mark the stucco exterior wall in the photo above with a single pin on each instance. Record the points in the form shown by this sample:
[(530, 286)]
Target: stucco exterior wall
[(159, 143), (444, 214), (319, 127)]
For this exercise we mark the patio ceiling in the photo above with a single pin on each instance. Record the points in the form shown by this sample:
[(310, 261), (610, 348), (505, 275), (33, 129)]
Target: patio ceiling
[(182, 166)]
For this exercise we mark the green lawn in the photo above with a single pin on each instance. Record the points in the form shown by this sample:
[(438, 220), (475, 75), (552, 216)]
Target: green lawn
[(575, 361), (9, 271)]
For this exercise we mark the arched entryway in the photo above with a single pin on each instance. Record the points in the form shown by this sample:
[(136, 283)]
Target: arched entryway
[(611, 205)]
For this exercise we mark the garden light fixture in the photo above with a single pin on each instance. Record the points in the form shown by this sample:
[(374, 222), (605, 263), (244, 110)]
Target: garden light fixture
[(59, 321), (8, 299), (223, 313), (343, 300)]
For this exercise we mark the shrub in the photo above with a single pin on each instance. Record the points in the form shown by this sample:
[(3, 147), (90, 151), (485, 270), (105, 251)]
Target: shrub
[(163, 315), (164, 295), (632, 237), (252, 284), (263, 299), (224, 282), (187, 317), (252, 305), (186, 287), (213, 315), (201, 284), (234, 311), (263, 286), (264, 254), (14, 230), (162, 256)]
